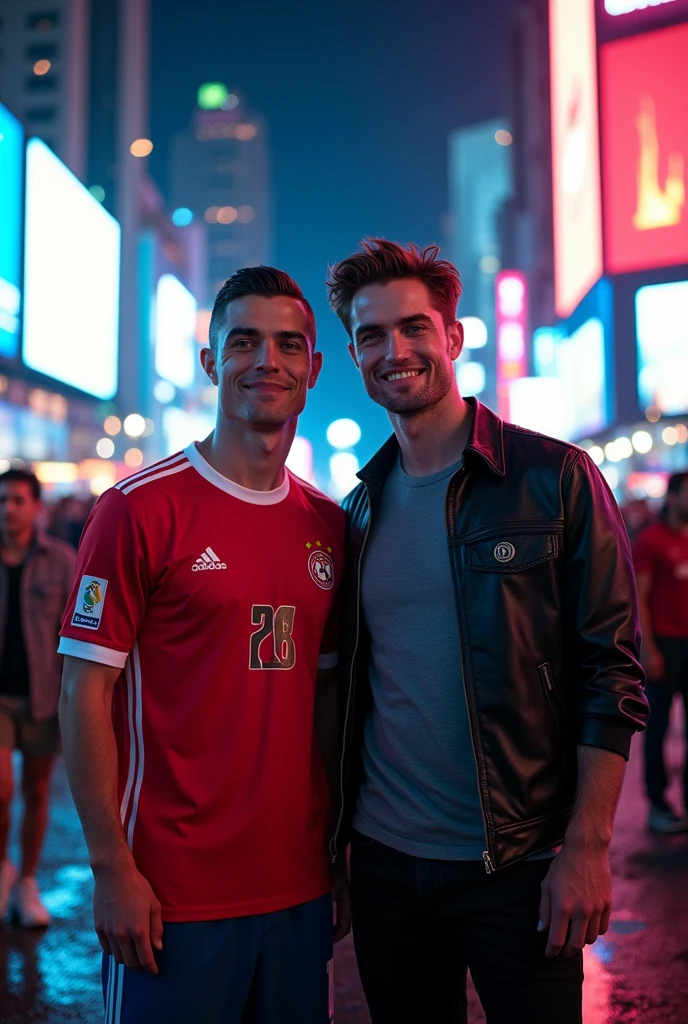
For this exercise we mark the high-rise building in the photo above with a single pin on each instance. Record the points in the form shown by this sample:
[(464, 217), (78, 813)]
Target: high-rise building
[(44, 58), (480, 182), (220, 174)]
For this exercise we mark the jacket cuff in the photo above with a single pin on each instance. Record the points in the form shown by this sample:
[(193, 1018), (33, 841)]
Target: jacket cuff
[(601, 732)]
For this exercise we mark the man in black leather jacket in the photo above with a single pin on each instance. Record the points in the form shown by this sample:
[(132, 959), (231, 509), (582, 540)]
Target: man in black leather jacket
[(491, 679)]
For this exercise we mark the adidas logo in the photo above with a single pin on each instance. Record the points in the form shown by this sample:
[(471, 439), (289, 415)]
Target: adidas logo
[(208, 560)]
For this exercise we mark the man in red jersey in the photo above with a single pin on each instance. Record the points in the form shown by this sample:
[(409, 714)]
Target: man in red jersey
[(201, 614), (660, 553)]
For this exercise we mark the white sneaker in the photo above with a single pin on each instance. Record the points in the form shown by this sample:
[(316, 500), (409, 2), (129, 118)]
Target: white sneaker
[(8, 876), (27, 905)]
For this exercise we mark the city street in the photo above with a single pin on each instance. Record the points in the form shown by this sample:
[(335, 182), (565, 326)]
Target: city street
[(637, 973)]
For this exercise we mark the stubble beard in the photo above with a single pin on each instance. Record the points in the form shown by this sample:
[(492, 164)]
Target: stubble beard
[(432, 391)]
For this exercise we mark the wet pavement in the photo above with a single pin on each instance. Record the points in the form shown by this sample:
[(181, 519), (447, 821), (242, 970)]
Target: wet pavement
[(637, 974)]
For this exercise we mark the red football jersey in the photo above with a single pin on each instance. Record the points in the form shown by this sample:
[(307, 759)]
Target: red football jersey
[(663, 553), (217, 603)]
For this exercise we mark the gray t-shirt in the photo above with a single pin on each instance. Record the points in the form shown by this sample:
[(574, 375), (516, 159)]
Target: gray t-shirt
[(420, 794)]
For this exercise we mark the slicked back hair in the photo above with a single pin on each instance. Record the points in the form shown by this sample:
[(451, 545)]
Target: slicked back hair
[(381, 261), (22, 476), (266, 281)]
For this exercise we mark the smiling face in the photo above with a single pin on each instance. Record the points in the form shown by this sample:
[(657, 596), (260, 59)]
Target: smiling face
[(402, 347), (264, 363)]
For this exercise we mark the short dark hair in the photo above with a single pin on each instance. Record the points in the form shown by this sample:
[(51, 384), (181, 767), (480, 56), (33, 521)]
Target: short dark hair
[(22, 476), (381, 261), (676, 482), (266, 281)]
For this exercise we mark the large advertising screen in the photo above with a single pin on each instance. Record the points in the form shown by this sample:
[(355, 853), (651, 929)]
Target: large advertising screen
[(71, 278), (614, 8), (175, 332), (581, 371), (11, 205), (645, 150), (661, 316), (575, 152)]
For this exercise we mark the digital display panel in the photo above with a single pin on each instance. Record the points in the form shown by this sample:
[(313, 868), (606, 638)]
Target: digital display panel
[(11, 171), (581, 371), (175, 331), (71, 278), (645, 149), (617, 7), (661, 316), (575, 152)]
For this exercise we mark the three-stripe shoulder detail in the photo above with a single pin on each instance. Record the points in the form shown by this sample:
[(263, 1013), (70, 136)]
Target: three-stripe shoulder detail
[(167, 467)]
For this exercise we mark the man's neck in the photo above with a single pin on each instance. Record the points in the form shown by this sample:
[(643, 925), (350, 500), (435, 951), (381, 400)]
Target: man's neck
[(435, 438), (251, 458), (14, 547)]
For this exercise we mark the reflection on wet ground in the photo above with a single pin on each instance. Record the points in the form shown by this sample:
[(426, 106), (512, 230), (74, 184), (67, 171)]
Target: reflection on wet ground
[(636, 974)]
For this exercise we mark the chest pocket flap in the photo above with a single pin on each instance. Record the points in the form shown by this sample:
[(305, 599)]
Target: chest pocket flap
[(512, 552)]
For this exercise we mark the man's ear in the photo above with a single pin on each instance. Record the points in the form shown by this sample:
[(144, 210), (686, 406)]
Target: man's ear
[(209, 364), (316, 367), (455, 335), (352, 353)]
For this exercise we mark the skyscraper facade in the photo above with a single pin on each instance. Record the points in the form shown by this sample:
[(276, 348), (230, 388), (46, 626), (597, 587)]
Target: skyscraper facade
[(220, 174)]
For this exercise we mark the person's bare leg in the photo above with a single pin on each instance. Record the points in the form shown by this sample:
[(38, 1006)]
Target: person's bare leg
[(5, 797), (35, 789)]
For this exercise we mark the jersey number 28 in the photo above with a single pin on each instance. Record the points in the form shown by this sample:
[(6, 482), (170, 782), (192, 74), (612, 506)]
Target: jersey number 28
[(277, 623)]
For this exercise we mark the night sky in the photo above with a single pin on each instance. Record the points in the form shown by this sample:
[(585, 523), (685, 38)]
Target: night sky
[(359, 97)]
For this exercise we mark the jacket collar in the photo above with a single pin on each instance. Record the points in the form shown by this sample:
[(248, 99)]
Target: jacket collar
[(486, 440)]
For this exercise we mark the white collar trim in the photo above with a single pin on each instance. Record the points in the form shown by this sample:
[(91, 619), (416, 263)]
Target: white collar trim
[(230, 487)]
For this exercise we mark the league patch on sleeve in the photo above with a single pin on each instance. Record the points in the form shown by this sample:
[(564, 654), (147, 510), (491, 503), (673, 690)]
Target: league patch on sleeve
[(89, 602)]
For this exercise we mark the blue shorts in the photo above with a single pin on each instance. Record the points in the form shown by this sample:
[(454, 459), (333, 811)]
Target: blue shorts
[(264, 969)]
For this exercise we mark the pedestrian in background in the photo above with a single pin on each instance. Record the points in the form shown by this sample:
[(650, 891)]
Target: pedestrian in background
[(661, 562), (35, 580)]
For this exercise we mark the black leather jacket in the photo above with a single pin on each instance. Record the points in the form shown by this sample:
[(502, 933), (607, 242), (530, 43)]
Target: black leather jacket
[(547, 614)]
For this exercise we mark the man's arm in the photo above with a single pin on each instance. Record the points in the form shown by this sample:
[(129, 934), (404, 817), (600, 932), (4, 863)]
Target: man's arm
[(328, 734), (126, 911), (577, 891), (651, 655)]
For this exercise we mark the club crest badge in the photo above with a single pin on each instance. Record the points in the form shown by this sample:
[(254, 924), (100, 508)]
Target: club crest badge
[(321, 565)]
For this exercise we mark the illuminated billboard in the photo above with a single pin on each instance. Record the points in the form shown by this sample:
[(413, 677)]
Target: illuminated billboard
[(575, 152), (71, 278), (645, 149), (175, 332), (581, 370), (616, 7), (661, 315), (11, 171), (511, 293)]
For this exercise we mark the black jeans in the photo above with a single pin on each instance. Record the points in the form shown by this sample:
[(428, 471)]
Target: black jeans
[(660, 696), (419, 924)]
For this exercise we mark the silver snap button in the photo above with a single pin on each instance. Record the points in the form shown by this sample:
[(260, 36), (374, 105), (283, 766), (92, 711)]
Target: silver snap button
[(504, 551)]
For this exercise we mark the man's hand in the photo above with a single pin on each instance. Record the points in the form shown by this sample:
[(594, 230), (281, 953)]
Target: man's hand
[(653, 662), (341, 899), (576, 898), (127, 916)]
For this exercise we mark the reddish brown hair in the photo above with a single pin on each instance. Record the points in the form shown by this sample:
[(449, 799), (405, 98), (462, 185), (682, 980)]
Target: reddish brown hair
[(381, 261)]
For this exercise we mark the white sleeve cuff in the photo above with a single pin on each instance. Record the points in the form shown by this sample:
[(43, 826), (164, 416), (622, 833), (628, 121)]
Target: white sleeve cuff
[(92, 652), (328, 661)]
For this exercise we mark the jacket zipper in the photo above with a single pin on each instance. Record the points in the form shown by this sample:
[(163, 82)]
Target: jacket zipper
[(333, 844), (487, 860)]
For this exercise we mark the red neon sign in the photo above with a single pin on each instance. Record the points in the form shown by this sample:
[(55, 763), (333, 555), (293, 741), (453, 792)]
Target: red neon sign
[(511, 293), (645, 147)]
